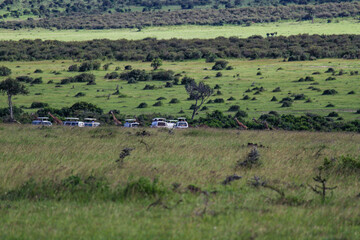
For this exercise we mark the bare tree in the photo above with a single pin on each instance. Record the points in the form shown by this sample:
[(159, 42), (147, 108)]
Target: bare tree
[(200, 93)]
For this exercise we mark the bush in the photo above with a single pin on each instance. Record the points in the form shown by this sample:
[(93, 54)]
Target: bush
[(158, 104), (231, 99), (299, 97), (273, 99), (163, 76), (80, 94), (174, 100), (88, 66), (234, 108), (277, 89), (351, 92), (330, 92), (38, 71), (220, 65), (219, 74), (128, 67), (26, 79), (333, 114), (229, 68), (246, 97), (330, 105), (137, 75), (149, 87), (143, 187), (187, 80), (286, 104), (358, 111), (330, 79), (39, 105), (306, 79), (241, 114), (204, 108), (37, 81), (161, 98), (73, 68), (219, 100), (217, 86), (252, 159), (142, 105), (169, 84), (112, 75), (330, 70), (4, 71)]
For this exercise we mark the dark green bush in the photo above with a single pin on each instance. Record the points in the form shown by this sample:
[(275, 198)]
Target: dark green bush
[(330, 92), (174, 100), (234, 108), (142, 105), (39, 105), (4, 71)]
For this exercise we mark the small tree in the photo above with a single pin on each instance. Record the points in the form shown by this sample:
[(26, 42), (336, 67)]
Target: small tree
[(156, 63), (12, 87), (5, 71), (198, 92)]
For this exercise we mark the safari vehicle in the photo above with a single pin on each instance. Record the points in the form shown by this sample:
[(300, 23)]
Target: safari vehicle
[(131, 123), (43, 121), (73, 122), (181, 123), (159, 123), (171, 123), (90, 122)]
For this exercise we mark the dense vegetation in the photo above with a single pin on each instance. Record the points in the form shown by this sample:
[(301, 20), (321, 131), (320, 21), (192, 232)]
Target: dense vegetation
[(300, 47), (238, 16)]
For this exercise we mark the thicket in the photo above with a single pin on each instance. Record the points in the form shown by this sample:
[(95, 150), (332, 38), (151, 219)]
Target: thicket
[(301, 47), (246, 15)]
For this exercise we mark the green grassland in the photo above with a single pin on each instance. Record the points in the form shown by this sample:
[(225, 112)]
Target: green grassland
[(202, 157), (284, 28), (233, 83)]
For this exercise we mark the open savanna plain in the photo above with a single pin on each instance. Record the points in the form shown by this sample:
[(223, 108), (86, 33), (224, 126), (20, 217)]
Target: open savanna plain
[(69, 183), (283, 28), (267, 73)]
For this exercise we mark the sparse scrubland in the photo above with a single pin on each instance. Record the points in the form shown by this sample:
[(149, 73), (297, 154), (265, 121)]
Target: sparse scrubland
[(126, 183)]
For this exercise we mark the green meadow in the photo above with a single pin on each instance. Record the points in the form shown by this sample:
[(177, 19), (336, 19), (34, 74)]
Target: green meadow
[(268, 73), (284, 28), (98, 197)]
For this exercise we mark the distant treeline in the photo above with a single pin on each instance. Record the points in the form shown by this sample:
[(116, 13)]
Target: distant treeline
[(292, 48), (237, 16)]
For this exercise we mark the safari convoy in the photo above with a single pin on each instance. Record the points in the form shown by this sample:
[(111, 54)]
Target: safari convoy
[(180, 123)]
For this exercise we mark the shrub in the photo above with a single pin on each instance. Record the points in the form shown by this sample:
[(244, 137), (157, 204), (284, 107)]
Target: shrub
[(80, 94), (286, 104), (218, 74), (39, 105), (241, 114), (333, 114), (286, 99), (330, 70), (273, 99), (149, 87), (204, 108), (277, 89), (4, 71), (330, 79), (128, 67), (306, 79), (231, 99), (158, 104), (169, 84), (218, 92), (187, 80), (142, 105), (252, 159), (229, 68), (351, 92), (217, 86), (219, 100), (26, 79), (234, 108), (112, 75), (73, 68), (174, 100), (299, 97), (258, 73), (136, 74), (246, 97), (330, 105), (161, 98), (88, 66), (143, 187), (38, 71), (163, 75), (37, 81), (220, 65), (330, 92), (50, 82), (358, 111)]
